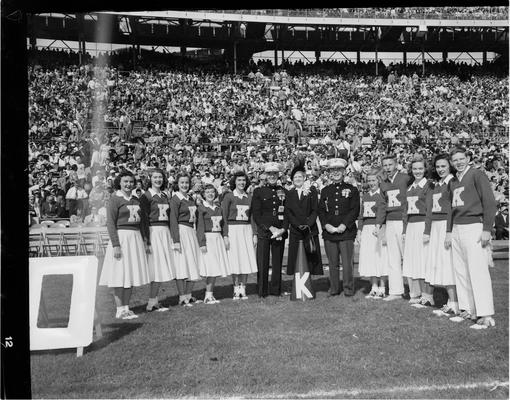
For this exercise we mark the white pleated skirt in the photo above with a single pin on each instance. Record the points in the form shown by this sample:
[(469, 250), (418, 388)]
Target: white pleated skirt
[(373, 256), (215, 261), (132, 269), (161, 259), (415, 252), (187, 260), (439, 267), (241, 255)]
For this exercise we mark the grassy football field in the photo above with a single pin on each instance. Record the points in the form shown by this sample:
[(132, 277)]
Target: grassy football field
[(275, 348)]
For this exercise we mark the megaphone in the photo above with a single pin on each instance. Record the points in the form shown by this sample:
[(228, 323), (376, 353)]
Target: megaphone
[(302, 288)]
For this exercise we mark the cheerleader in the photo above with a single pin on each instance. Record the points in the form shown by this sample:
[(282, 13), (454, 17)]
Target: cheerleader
[(125, 262), (415, 246), (472, 218), (373, 256), (439, 265), (242, 237), (156, 204), (183, 215), (211, 230)]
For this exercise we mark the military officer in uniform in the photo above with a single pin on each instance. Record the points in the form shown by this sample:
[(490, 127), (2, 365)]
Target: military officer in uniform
[(268, 211), (338, 210)]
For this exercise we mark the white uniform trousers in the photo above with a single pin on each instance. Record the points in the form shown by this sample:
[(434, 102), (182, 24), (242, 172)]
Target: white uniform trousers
[(394, 242), (471, 267)]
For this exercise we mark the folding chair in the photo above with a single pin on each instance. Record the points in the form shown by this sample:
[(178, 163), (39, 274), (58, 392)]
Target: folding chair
[(35, 242), (104, 239), (52, 244), (88, 243), (71, 243)]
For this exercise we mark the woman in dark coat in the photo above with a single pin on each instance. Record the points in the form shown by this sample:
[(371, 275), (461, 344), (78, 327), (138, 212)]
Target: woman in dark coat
[(301, 207)]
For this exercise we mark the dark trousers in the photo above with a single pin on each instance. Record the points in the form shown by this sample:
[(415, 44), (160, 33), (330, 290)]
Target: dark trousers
[(263, 247), (501, 234), (335, 250), (72, 206)]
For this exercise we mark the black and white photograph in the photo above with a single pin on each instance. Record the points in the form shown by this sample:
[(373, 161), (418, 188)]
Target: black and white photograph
[(268, 203)]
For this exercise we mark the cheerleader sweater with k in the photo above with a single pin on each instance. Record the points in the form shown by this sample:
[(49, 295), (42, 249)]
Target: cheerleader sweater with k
[(473, 200), (156, 207), (395, 193), (209, 220), (183, 210), (416, 202), (124, 213), (373, 209), (236, 210), (439, 205)]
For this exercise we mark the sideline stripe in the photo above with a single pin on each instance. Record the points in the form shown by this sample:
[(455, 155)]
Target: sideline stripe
[(375, 392)]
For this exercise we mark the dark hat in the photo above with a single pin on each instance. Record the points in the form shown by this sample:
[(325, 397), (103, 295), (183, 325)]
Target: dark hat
[(298, 167)]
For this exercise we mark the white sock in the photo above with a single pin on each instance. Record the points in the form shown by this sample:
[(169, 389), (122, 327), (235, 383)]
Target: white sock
[(182, 297), (126, 308), (374, 287), (153, 301), (208, 294), (188, 296), (454, 305), (119, 310)]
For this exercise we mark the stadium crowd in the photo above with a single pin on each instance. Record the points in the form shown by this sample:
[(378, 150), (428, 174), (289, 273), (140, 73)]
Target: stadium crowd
[(88, 123), (388, 12)]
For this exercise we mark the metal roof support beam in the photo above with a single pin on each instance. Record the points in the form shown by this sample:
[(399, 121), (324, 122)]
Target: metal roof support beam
[(306, 58), (474, 59), (51, 44), (286, 58), (343, 55), (332, 54), (430, 55), (65, 44), (419, 55), (458, 56)]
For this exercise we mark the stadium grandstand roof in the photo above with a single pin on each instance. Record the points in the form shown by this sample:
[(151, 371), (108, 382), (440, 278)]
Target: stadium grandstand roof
[(250, 32)]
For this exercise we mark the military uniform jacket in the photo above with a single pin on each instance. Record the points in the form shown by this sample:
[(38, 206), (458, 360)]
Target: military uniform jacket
[(339, 204), (268, 209)]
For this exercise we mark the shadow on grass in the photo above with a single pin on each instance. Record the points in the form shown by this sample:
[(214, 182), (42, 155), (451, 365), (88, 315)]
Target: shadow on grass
[(115, 332), (119, 330)]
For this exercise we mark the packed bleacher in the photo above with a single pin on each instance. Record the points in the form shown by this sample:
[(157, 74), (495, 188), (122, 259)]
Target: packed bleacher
[(87, 123), (480, 12)]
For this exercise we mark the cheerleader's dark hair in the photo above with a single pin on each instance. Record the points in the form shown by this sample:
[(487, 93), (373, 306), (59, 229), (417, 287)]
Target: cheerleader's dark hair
[(165, 179), (236, 175), (209, 186), (180, 175), (444, 156), (116, 181)]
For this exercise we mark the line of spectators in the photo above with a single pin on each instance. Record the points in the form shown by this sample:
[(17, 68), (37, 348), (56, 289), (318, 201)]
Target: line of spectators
[(479, 12)]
